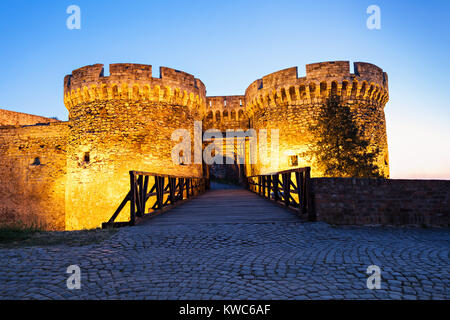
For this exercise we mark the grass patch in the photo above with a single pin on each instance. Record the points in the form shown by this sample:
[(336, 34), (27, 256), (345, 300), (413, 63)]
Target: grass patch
[(22, 236), (17, 232)]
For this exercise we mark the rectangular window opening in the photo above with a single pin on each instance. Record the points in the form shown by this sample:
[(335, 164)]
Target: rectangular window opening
[(87, 157)]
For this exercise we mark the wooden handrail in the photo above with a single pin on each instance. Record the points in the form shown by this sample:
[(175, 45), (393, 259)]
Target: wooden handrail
[(177, 188), (281, 188), (303, 169)]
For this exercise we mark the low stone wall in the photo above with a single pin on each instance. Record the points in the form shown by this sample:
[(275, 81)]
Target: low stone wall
[(382, 201), (12, 118)]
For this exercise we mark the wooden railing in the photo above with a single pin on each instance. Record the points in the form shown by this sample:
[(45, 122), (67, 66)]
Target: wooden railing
[(165, 190), (290, 188)]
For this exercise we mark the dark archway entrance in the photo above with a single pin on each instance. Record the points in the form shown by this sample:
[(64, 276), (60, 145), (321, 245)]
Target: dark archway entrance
[(232, 168)]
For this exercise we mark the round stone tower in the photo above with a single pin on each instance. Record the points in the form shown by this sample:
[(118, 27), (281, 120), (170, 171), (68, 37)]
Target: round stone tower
[(284, 101), (119, 123)]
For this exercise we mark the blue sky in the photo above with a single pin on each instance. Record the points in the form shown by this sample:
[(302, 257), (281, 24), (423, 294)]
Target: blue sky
[(229, 44)]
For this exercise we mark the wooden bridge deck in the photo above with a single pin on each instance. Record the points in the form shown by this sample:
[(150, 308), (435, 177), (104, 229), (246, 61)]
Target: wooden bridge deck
[(225, 206)]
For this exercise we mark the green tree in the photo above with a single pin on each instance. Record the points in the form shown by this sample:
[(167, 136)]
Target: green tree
[(340, 149)]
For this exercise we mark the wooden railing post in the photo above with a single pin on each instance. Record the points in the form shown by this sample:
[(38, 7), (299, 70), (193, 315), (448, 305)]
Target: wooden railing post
[(276, 195), (259, 185), (308, 196), (171, 191), (144, 194), (299, 190), (161, 198), (263, 193), (181, 188), (132, 198), (286, 189), (304, 198), (157, 188), (188, 182)]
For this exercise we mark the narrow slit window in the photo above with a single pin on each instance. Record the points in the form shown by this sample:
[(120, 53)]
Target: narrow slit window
[(87, 157)]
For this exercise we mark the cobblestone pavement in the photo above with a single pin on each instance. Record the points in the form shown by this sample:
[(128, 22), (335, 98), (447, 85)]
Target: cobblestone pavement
[(249, 260)]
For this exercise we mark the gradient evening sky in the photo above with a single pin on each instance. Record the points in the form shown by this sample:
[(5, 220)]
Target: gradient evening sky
[(228, 44)]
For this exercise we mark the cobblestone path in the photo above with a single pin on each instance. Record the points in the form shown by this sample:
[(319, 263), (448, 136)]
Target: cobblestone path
[(222, 253)]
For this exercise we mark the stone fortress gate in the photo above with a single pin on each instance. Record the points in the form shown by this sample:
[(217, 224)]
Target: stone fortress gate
[(68, 175)]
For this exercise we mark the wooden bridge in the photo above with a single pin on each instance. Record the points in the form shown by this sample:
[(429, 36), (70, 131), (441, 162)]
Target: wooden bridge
[(224, 206), (282, 190)]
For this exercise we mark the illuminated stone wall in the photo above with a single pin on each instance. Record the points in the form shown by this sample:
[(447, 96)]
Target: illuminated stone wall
[(284, 101), (120, 123), (12, 118), (33, 175)]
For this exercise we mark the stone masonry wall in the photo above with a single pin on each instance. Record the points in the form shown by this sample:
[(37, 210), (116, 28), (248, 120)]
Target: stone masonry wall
[(382, 201), (32, 175), (12, 118)]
